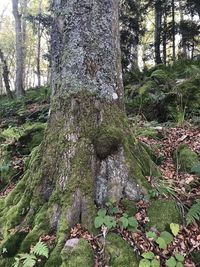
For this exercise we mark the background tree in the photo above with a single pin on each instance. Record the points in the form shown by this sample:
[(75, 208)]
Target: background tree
[(5, 74), (19, 81)]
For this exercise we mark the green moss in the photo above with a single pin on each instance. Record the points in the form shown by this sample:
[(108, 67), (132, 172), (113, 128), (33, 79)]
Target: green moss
[(185, 158), (160, 76), (196, 258), (161, 213), (80, 255), (107, 140), (12, 244), (130, 207), (119, 253), (139, 162)]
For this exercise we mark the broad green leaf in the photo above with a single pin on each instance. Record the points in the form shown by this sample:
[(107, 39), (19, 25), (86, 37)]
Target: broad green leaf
[(151, 235), (179, 264), (109, 222), (114, 210), (148, 255), (161, 242), (98, 222), (132, 222), (155, 263), (144, 263), (175, 228), (125, 215), (179, 257), (171, 262), (167, 237), (102, 212), (124, 222)]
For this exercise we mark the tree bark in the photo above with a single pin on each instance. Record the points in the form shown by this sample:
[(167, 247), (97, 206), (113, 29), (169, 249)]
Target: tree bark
[(173, 32), (88, 155), (5, 75), (158, 27), (165, 35), (39, 36), (19, 79)]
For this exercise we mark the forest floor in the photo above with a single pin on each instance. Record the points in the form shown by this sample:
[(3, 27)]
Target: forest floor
[(184, 186)]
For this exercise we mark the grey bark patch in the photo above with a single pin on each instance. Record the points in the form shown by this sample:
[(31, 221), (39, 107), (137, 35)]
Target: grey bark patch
[(74, 213), (55, 218), (113, 180)]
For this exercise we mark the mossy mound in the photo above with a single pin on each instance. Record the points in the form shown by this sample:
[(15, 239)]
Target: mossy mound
[(107, 140), (196, 258), (130, 207), (16, 107), (161, 213), (79, 255), (185, 158), (119, 253), (24, 138)]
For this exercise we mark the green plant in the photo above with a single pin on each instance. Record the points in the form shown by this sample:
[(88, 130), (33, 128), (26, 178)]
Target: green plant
[(161, 188), (103, 219), (175, 228), (164, 238), (129, 223), (149, 259), (193, 213), (30, 259), (176, 261), (112, 209)]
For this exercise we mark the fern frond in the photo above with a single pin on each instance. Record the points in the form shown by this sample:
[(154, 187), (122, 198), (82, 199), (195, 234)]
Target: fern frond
[(193, 213), (17, 262), (29, 261), (40, 249)]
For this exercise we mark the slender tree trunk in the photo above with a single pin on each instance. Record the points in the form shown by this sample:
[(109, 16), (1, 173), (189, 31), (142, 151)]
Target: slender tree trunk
[(173, 32), (184, 46), (158, 26), (19, 80), (39, 36), (5, 74), (88, 155), (165, 36)]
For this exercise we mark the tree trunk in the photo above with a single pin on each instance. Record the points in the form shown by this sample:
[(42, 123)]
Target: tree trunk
[(5, 74), (173, 32), (39, 36), (19, 79), (88, 155), (165, 36), (184, 46), (158, 26)]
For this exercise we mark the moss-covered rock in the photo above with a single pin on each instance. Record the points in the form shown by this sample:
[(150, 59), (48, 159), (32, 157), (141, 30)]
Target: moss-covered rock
[(80, 254), (196, 258), (185, 158), (119, 253), (161, 213)]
